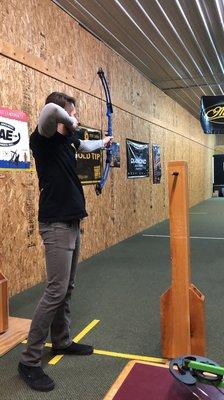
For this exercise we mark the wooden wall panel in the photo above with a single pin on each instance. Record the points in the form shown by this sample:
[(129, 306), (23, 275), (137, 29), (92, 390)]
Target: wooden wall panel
[(66, 59)]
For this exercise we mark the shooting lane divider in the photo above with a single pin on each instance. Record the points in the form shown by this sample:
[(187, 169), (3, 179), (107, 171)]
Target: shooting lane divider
[(76, 339), (131, 356), (191, 237), (198, 213), (92, 324)]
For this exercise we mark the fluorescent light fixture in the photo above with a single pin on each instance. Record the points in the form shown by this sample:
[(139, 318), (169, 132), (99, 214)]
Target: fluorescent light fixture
[(151, 42), (220, 12), (125, 48), (170, 47), (102, 26), (183, 44), (198, 44), (209, 34)]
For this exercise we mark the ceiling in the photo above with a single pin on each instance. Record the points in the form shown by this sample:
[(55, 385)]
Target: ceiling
[(178, 45)]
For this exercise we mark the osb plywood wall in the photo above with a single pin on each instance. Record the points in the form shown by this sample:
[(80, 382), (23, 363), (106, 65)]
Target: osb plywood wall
[(44, 50)]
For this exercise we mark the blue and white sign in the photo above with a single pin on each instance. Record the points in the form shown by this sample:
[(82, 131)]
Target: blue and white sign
[(14, 140)]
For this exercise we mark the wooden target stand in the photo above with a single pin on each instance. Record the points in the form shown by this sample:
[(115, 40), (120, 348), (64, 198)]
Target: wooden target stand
[(12, 330), (182, 305), (182, 312)]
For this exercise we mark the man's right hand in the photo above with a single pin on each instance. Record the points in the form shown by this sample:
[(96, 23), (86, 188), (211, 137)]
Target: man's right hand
[(107, 141)]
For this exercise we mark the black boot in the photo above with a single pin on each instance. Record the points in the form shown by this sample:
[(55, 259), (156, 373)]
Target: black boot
[(75, 349), (36, 378)]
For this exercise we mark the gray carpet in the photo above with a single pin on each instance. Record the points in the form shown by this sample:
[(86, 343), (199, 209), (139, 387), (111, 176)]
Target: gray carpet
[(121, 287)]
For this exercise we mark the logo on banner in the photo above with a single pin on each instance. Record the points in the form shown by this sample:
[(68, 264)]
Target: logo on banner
[(215, 113), (8, 135), (212, 114), (138, 160)]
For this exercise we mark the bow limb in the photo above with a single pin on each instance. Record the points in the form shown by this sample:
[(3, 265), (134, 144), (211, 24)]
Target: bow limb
[(109, 112)]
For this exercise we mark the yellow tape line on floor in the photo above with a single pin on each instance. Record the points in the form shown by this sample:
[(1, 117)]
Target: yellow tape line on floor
[(46, 344), (131, 356), (92, 324), (76, 339)]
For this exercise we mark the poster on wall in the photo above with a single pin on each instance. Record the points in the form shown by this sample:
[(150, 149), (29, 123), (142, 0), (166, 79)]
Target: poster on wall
[(137, 159), (89, 165), (14, 140), (156, 163)]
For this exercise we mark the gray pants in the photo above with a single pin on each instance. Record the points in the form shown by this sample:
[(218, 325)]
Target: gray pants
[(62, 242)]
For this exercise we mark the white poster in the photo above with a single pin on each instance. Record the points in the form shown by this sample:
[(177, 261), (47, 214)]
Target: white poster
[(14, 140)]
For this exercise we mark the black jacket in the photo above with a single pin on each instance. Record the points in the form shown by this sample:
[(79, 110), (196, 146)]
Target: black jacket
[(61, 193)]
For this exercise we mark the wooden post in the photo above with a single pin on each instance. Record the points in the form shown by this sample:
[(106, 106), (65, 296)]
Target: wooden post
[(4, 309), (182, 305)]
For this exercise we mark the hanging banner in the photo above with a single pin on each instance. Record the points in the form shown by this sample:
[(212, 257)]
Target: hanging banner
[(137, 159), (89, 165), (156, 163), (14, 140), (212, 114)]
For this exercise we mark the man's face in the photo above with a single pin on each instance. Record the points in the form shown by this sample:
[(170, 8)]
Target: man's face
[(70, 108)]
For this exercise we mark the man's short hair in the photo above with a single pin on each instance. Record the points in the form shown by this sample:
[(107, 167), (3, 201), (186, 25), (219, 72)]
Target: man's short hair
[(60, 99)]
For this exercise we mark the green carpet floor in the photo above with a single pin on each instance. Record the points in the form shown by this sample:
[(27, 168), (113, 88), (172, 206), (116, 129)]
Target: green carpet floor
[(121, 287)]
